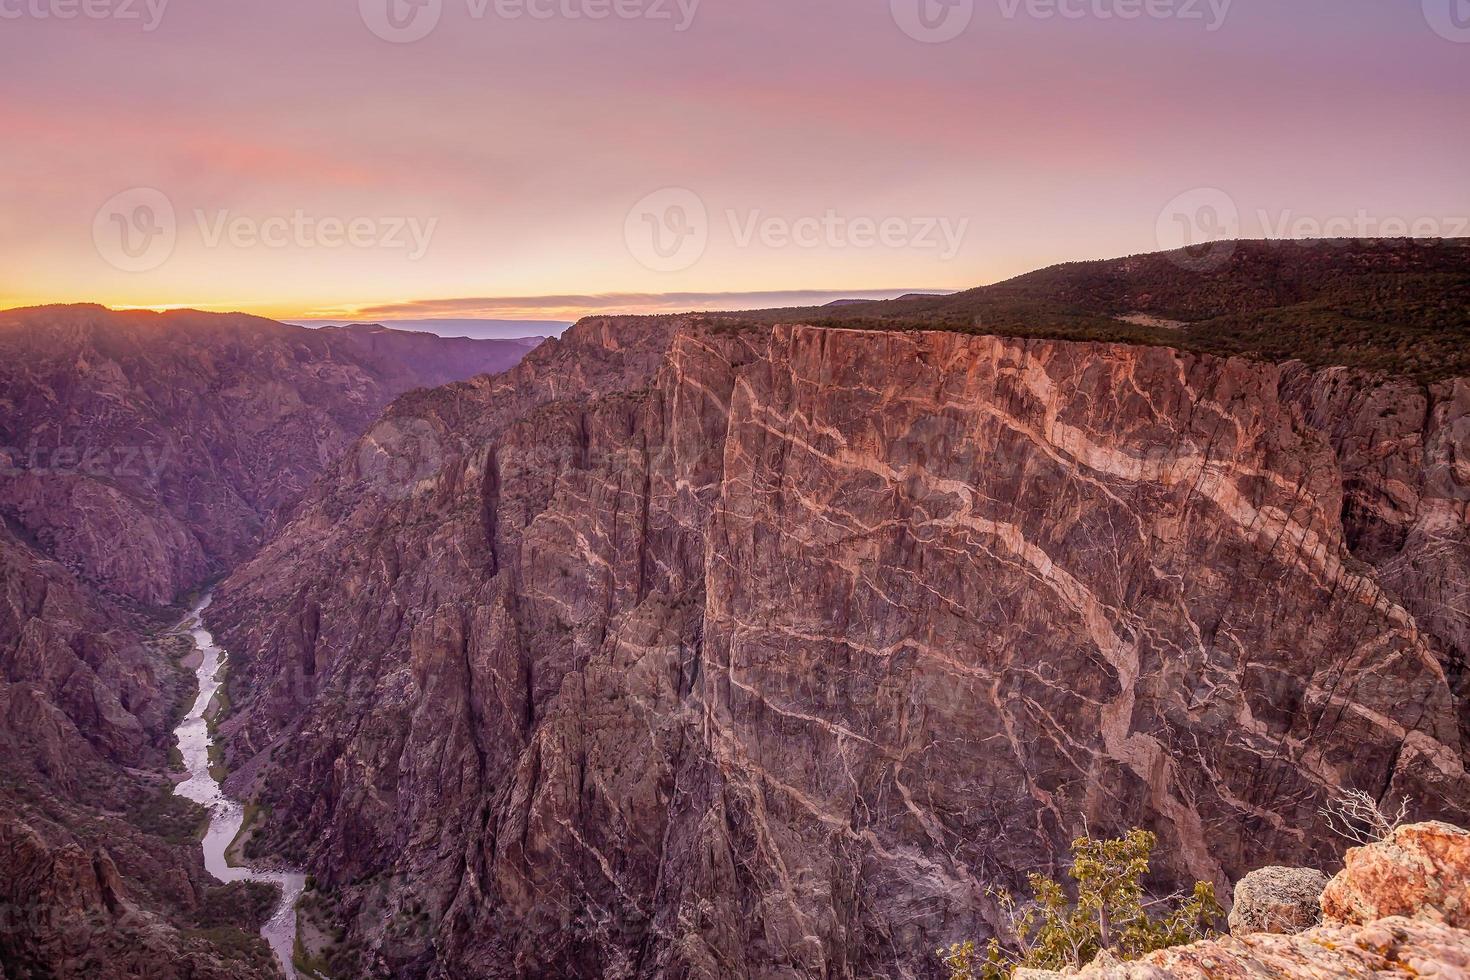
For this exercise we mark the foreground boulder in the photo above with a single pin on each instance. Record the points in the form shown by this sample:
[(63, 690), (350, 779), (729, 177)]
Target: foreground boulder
[(1396, 947), (1398, 909), (1423, 870), (1278, 900)]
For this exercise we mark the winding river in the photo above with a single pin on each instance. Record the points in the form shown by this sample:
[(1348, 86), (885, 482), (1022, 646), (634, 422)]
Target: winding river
[(225, 815)]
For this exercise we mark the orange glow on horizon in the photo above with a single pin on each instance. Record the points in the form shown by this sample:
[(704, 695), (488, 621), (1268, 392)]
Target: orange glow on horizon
[(509, 159)]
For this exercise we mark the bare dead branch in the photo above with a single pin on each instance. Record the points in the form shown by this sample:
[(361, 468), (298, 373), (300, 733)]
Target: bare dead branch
[(1358, 817)]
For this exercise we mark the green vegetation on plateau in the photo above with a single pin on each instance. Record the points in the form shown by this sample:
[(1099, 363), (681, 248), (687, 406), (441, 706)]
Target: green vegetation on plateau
[(1393, 305)]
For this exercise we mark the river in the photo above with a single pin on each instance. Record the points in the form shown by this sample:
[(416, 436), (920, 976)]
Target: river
[(226, 815)]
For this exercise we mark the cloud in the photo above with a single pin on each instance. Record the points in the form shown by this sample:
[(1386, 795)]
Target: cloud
[(574, 305)]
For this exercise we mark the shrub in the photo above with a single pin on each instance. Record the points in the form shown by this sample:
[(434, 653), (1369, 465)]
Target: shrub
[(1110, 912)]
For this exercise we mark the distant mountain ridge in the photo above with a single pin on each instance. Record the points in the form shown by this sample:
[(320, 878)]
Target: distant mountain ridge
[(148, 451), (470, 328), (373, 329)]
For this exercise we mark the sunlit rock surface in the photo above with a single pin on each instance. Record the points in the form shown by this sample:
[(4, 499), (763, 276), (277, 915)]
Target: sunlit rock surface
[(1422, 870), (1397, 910), (688, 649)]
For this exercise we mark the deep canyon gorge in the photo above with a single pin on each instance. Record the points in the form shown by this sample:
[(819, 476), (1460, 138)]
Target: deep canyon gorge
[(726, 645)]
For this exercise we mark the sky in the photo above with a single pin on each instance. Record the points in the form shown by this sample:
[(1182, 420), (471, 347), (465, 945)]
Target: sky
[(546, 159)]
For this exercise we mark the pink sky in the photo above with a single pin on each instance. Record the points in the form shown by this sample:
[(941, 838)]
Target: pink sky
[(314, 169)]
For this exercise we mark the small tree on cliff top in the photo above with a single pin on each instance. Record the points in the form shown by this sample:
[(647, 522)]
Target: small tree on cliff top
[(1051, 932)]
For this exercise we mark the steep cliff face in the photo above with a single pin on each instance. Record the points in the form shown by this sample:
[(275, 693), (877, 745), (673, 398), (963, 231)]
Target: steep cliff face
[(141, 455), (692, 649), (79, 690)]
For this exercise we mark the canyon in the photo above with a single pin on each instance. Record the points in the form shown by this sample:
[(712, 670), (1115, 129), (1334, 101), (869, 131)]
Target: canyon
[(711, 647), (187, 432), (143, 456), (751, 645)]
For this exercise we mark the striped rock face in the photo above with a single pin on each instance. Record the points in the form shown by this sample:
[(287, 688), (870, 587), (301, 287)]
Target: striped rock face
[(710, 650)]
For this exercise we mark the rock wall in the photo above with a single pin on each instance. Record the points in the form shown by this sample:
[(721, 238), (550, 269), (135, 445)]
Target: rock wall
[(693, 649)]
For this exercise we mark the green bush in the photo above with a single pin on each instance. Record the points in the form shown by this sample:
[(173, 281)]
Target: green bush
[(1110, 912), (175, 819)]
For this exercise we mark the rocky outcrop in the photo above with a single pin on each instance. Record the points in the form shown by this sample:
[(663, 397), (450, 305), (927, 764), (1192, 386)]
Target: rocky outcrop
[(1284, 901), (1423, 870), (692, 649), (81, 693), (1397, 910), (1391, 949), (66, 912)]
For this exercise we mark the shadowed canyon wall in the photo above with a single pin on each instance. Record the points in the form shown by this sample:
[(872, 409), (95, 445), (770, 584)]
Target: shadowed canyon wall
[(140, 456)]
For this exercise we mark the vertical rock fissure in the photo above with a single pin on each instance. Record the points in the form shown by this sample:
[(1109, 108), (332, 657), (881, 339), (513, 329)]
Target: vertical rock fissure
[(490, 511)]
